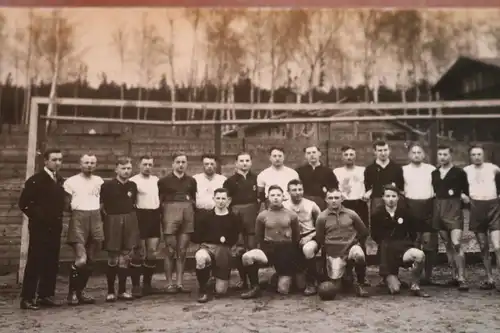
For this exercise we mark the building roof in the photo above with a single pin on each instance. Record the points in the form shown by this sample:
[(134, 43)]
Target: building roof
[(456, 70)]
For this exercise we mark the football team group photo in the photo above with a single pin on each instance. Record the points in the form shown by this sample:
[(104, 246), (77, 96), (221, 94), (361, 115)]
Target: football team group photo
[(289, 219)]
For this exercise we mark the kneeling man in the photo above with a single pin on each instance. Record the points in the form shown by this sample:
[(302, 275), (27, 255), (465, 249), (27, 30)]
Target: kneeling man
[(396, 237), (307, 212), (340, 233), (218, 233), (277, 233)]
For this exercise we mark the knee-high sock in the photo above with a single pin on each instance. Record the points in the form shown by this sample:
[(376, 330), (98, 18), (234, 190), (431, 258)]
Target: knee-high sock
[(74, 279), (360, 269), (430, 257), (135, 275), (148, 271), (86, 274), (122, 280), (203, 275), (253, 274), (311, 270), (111, 278)]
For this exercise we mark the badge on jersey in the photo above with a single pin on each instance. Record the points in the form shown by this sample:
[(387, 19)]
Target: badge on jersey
[(187, 197), (450, 192), (324, 189), (393, 184), (400, 220), (129, 194), (223, 239), (255, 188), (288, 233)]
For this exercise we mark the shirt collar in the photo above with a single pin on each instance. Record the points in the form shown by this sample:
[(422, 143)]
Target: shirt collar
[(342, 209), (383, 166), (51, 173)]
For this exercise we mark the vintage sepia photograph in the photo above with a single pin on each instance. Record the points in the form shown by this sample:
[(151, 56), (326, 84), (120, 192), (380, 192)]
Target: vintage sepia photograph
[(188, 170)]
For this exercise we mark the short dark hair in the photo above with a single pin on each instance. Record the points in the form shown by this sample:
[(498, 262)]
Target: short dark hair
[(48, 152), (379, 143), (221, 190), (123, 160), (445, 147), (390, 187), (331, 190), (242, 153), (281, 149), (294, 182), (311, 146), (476, 145), (275, 187), (178, 154), (346, 148), (145, 157), (415, 144), (209, 156)]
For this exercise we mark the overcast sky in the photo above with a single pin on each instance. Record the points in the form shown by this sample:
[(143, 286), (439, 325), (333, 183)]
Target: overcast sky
[(94, 31)]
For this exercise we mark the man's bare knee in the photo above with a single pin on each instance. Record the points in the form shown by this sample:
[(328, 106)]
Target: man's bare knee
[(357, 255), (284, 284), (221, 286), (202, 259), (310, 249), (253, 257)]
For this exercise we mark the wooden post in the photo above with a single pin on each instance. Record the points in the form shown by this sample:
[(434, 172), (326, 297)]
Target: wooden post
[(433, 135), (241, 136), (218, 139), (30, 170)]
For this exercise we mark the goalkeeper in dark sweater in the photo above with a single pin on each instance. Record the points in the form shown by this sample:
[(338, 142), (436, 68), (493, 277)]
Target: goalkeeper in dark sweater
[(216, 234)]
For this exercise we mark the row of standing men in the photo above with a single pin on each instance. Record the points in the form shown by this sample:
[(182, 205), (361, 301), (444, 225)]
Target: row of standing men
[(135, 209)]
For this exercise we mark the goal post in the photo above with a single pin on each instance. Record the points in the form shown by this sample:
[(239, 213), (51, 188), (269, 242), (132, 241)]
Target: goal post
[(438, 110)]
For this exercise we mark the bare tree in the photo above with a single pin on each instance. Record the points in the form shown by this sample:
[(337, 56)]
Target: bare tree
[(372, 45), (57, 49), (168, 54), (226, 52), (254, 33), (195, 16), (4, 46), (148, 43), (120, 41), (319, 35)]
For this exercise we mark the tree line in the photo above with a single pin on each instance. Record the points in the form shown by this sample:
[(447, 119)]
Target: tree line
[(307, 55)]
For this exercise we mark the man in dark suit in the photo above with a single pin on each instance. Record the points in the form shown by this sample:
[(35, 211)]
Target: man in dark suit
[(42, 201)]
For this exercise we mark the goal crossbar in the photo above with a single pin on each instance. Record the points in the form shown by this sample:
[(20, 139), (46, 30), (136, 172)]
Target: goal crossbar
[(269, 106), (34, 122)]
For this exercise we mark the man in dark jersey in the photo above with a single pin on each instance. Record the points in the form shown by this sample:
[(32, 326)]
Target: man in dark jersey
[(242, 189), (277, 232), (121, 231), (218, 233), (177, 193), (316, 177), (450, 187), (398, 243), (339, 233)]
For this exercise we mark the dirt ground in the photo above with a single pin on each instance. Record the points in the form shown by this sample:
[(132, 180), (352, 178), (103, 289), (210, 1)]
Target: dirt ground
[(446, 311)]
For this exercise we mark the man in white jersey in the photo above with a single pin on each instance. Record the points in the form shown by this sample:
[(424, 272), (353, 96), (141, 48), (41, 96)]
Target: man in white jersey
[(419, 195), (484, 209), (149, 217), (206, 183), (277, 174), (351, 178), (85, 229), (307, 211)]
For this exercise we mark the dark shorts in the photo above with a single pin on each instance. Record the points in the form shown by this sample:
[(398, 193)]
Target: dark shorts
[(221, 260), (391, 256), (121, 232), (360, 207), (318, 200), (285, 257), (178, 218), (484, 215), (248, 213), (149, 223), (421, 213), (85, 226), (448, 214)]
